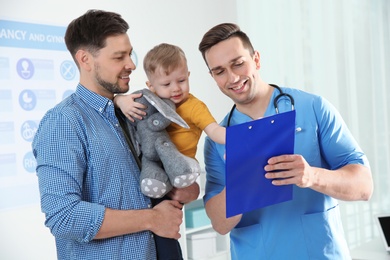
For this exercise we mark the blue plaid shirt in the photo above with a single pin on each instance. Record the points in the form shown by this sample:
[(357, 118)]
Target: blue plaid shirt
[(84, 165)]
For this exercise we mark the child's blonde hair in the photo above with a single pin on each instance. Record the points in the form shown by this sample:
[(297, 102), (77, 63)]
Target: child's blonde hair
[(165, 56)]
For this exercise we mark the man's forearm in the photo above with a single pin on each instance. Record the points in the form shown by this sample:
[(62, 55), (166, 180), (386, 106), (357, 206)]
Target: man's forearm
[(216, 211)]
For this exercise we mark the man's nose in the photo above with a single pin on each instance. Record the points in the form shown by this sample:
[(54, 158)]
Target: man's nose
[(130, 64), (232, 76)]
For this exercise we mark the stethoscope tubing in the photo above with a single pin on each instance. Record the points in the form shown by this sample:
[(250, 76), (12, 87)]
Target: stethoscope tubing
[(276, 100)]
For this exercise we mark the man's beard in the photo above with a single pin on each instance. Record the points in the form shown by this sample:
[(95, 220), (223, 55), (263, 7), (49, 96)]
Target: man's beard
[(111, 87)]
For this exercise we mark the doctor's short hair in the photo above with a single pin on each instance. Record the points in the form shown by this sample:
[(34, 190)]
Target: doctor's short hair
[(223, 32)]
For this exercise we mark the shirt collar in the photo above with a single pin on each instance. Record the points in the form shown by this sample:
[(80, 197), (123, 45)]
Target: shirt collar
[(96, 101)]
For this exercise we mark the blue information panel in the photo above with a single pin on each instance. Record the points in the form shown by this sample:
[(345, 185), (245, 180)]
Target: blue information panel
[(36, 72)]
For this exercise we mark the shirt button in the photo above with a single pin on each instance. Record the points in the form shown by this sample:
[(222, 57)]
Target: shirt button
[(100, 109), (149, 205), (109, 103)]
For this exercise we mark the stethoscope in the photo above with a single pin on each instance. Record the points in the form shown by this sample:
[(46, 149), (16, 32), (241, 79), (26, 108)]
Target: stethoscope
[(276, 100)]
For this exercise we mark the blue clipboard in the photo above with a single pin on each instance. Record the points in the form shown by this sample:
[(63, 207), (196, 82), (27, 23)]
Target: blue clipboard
[(248, 148)]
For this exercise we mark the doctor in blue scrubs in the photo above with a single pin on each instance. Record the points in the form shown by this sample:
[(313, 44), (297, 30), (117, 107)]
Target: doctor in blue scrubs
[(328, 164)]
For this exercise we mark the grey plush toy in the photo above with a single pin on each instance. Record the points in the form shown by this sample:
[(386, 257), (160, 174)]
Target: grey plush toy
[(163, 166)]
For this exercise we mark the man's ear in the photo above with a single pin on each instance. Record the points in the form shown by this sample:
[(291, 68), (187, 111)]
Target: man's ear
[(84, 58), (256, 58)]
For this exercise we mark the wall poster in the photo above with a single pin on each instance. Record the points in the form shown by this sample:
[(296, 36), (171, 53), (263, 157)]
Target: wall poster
[(36, 73)]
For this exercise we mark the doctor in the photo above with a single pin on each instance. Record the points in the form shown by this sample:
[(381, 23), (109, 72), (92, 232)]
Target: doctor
[(328, 164)]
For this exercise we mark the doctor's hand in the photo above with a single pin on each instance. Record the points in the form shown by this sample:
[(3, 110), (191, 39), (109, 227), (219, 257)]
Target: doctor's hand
[(290, 169), (185, 195)]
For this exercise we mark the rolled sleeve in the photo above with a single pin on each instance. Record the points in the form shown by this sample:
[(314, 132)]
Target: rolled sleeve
[(61, 164)]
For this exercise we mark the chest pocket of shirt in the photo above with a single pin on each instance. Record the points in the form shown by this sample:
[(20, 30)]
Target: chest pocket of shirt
[(307, 142)]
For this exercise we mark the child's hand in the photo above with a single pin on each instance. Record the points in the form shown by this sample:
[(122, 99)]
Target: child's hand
[(131, 109)]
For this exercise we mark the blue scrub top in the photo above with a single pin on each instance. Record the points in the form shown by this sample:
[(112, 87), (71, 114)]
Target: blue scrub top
[(309, 226)]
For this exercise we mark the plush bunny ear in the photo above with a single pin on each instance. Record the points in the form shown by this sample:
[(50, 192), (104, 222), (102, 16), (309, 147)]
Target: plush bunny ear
[(163, 108)]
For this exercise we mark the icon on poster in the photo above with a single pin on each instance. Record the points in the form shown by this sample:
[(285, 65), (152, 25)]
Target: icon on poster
[(27, 100), (68, 70), (28, 130), (25, 68), (29, 162)]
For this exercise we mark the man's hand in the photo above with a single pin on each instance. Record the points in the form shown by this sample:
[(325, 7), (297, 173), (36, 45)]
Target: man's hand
[(350, 182), (290, 169), (167, 219)]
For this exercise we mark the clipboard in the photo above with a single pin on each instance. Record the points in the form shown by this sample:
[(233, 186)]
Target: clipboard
[(248, 148)]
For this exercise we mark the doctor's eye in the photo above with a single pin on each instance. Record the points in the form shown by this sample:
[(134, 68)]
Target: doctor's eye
[(217, 72), (238, 64)]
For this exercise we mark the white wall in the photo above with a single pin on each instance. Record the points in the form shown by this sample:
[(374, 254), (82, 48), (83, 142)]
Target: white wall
[(180, 22)]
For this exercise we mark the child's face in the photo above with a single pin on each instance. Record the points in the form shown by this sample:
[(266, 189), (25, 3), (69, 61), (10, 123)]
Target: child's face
[(174, 86)]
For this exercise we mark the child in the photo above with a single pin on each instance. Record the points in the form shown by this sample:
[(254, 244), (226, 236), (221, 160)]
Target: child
[(168, 77)]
